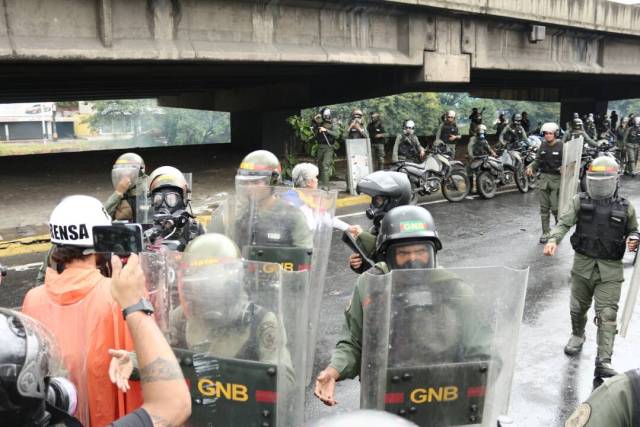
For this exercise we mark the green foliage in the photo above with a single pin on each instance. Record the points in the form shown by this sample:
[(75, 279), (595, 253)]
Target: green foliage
[(304, 137), (177, 125)]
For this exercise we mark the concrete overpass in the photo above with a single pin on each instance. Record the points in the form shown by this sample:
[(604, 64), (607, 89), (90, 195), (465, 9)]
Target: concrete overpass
[(263, 60)]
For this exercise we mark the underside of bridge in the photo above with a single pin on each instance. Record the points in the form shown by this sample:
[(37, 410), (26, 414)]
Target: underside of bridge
[(263, 60)]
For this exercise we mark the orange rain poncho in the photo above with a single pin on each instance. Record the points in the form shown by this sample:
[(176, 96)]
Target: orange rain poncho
[(78, 309)]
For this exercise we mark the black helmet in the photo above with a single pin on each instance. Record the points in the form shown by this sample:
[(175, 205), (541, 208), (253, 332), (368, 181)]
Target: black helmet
[(387, 189), (28, 358), (404, 226)]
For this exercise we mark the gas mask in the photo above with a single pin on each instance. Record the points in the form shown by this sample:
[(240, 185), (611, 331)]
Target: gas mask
[(167, 200)]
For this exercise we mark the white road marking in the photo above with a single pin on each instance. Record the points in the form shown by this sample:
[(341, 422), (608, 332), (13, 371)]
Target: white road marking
[(26, 267)]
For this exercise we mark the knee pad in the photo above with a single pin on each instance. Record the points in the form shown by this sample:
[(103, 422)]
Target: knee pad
[(608, 315)]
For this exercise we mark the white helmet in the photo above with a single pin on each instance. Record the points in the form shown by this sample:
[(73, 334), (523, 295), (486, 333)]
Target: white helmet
[(549, 127), (451, 113), (72, 221)]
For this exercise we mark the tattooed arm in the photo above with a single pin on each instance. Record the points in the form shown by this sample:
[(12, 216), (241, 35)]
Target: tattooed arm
[(166, 396)]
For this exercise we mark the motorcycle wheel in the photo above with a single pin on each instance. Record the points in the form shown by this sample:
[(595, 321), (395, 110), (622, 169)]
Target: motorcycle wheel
[(522, 182), (455, 187), (486, 185)]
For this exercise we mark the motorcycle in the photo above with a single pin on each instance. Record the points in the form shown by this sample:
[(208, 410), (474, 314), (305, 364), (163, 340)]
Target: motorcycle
[(490, 174), (438, 171), (513, 161)]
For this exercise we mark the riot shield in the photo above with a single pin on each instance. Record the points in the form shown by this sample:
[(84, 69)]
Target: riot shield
[(570, 172), (144, 211), (242, 351), (630, 301), (439, 345), (292, 227), (220, 220)]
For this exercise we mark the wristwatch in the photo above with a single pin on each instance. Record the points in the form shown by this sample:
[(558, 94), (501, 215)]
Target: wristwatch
[(143, 305)]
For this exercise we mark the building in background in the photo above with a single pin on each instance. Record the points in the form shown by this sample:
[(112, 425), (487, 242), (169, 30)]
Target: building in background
[(36, 121)]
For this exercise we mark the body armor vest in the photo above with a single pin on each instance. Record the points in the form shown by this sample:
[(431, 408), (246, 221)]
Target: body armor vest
[(448, 130), (601, 228), (550, 158), (634, 135)]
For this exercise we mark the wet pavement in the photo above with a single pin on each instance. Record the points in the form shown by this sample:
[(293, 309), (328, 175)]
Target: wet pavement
[(502, 231)]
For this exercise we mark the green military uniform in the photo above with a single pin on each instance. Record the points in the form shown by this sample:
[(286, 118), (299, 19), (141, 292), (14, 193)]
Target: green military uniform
[(622, 154), (274, 223), (406, 148), (378, 135), (326, 142), (631, 144), (444, 132), (122, 206), (511, 135), (574, 133), (548, 161), (615, 403), (347, 355), (594, 278)]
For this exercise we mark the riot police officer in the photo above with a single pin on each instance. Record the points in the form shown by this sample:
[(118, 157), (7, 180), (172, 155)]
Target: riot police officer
[(127, 172), (590, 126), (525, 122), (326, 135), (577, 130), (621, 155), (408, 240), (569, 125), (387, 189), (448, 133), (475, 120), (378, 135), (271, 222), (478, 146), (407, 147), (500, 124), (631, 143), (170, 196), (513, 133), (548, 163), (604, 221), (614, 403), (356, 129), (614, 119)]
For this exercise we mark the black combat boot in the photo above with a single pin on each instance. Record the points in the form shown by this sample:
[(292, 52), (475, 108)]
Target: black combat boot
[(604, 369), (574, 346)]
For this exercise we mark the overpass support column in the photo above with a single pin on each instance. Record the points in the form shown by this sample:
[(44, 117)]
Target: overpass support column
[(581, 106), (261, 130)]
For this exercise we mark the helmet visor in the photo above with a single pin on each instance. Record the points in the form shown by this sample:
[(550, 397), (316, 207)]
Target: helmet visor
[(170, 198), (130, 172), (411, 255), (601, 187)]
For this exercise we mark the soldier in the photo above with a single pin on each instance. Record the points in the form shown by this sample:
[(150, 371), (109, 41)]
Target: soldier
[(548, 162), (407, 147), (378, 137), (271, 222), (448, 133), (387, 189), (569, 125), (577, 131), (170, 196), (475, 120), (512, 134), (621, 155), (631, 143), (604, 221), (408, 240), (126, 174), (356, 129), (590, 127), (478, 146), (500, 124), (614, 403), (614, 119), (326, 136), (525, 122)]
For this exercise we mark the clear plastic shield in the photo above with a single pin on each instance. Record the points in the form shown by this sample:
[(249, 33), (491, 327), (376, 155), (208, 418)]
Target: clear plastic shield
[(630, 300), (144, 210), (570, 172), (292, 227), (242, 350), (439, 345), (220, 221)]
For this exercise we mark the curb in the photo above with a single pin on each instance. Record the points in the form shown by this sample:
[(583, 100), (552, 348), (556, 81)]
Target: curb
[(352, 201)]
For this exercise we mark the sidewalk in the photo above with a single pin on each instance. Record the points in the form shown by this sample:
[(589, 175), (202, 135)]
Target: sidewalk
[(28, 199)]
